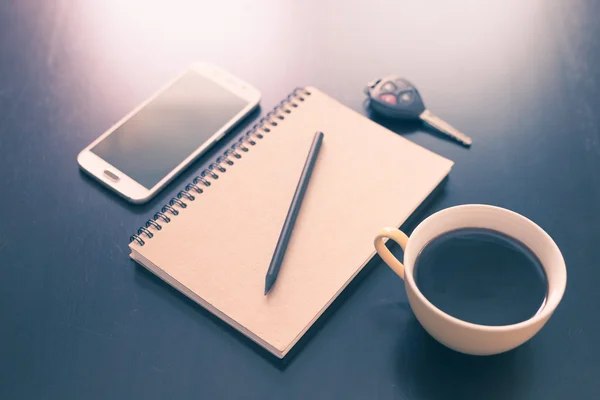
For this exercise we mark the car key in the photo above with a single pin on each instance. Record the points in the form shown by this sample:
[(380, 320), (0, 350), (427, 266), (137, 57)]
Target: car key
[(396, 97)]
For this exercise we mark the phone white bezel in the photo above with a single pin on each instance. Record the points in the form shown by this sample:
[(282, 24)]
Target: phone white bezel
[(127, 186)]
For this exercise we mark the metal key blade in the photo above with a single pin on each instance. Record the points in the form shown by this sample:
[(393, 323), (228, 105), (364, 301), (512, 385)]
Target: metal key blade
[(445, 127)]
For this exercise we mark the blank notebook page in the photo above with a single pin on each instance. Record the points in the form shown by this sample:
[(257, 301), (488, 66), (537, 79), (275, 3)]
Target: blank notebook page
[(217, 250)]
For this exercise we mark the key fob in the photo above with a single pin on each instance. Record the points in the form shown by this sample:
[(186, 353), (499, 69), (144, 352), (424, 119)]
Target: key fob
[(395, 97)]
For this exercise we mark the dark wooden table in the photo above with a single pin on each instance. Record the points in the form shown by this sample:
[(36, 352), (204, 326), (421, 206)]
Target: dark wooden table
[(79, 319)]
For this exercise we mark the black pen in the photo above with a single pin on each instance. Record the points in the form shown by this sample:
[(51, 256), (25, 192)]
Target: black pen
[(290, 219)]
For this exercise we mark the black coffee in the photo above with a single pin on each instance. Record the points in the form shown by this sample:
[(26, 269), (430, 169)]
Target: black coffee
[(481, 276)]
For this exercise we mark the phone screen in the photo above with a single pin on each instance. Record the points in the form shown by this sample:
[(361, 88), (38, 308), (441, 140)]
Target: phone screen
[(167, 130)]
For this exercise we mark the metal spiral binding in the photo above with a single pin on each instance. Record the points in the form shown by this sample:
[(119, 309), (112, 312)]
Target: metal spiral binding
[(235, 152)]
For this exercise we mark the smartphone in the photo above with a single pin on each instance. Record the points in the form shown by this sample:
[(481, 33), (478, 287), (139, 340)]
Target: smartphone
[(150, 146)]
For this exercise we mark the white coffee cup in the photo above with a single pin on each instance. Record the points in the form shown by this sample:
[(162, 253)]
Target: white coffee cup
[(452, 332)]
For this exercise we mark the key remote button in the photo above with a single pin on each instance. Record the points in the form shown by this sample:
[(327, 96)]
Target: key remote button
[(388, 87), (406, 97), (388, 98)]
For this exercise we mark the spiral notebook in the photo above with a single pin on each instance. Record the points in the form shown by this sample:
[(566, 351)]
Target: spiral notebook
[(214, 241)]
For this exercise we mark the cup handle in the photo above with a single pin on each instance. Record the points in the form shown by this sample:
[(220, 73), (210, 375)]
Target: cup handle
[(397, 236)]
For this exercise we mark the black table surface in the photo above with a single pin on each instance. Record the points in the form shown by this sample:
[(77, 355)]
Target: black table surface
[(80, 320)]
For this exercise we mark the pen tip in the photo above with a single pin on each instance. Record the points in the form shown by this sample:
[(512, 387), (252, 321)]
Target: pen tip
[(268, 286)]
